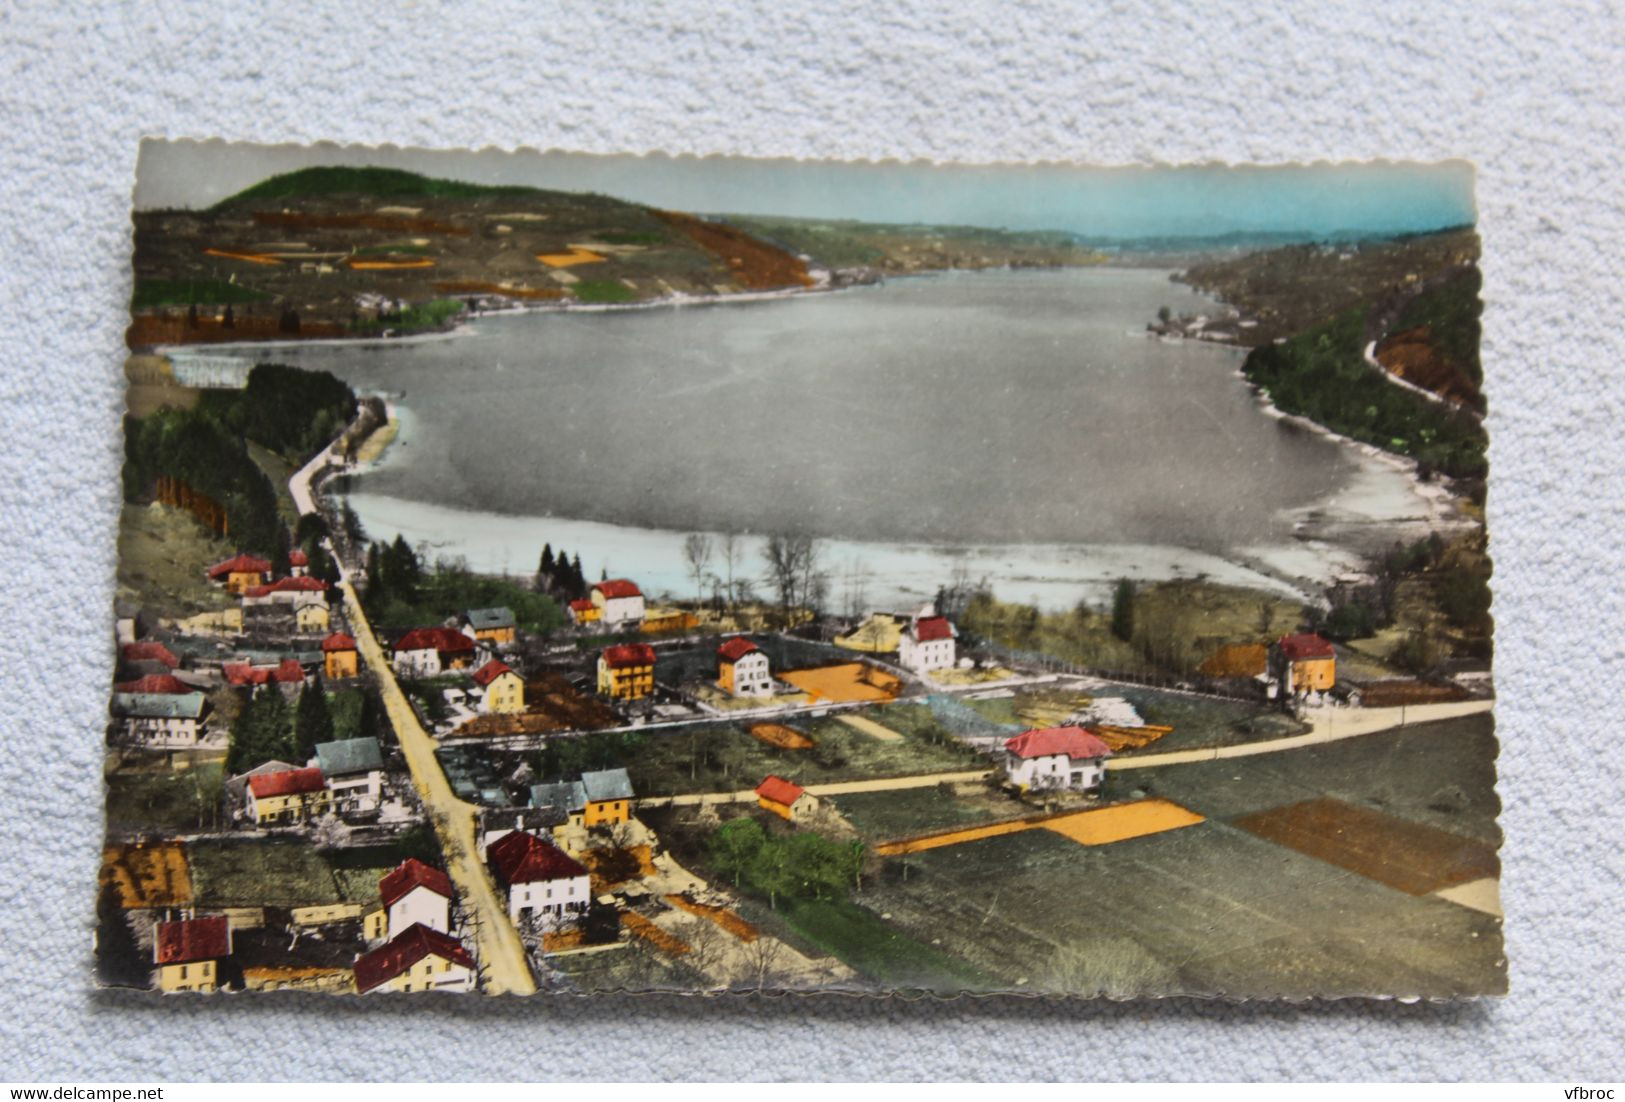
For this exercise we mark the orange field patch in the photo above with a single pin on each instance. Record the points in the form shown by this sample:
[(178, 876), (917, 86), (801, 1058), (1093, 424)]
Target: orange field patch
[(570, 259), (1129, 738), (250, 258), (785, 738), (560, 941), (390, 265), (846, 683), (722, 916), (1122, 822), (155, 875), (654, 935), (1096, 827)]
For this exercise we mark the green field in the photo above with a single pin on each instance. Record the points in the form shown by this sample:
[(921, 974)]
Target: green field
[(864, 942), (882, 816), (153, 293), (289, 872), (604, 290), (164, 801)]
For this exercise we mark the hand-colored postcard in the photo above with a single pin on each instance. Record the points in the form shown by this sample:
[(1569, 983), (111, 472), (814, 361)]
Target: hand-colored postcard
[(549, 572)]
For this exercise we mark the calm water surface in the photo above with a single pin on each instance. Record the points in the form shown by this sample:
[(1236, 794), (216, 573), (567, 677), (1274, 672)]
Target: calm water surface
[(975, 408)]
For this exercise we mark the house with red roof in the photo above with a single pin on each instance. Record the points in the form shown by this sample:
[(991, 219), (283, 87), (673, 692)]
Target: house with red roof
[(188, 953), (500, 689), (340, 659), (149, 652), (546, 887), (584, 612), (626, 671), (417, 959), (304, 598), (415, 894), (927, 643), (1056, 758), (298, 563), (287, 675), (239, 572), (155, 683), (287, 797), (1302, 664), (786, 799), (619, 603), (430, 652), (743, 668)]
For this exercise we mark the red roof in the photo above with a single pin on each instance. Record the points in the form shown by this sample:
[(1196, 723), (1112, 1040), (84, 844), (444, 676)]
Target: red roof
[(490, 672), (1305, 645), (581, 606), (930, 628), (736, 648), (412, 874), (240, 564), (779, 790), (148, 652), (190, 940), (412, 945), (338, 641), (297, 557), (1074, 742), (618, 587), (289, 782), (629, 654), (289, 584), (287, 672), (154, 683), (444, 640), (521, 858)]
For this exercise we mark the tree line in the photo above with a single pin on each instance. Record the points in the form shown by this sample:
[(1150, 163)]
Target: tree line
[(801, 865), (270, 728)]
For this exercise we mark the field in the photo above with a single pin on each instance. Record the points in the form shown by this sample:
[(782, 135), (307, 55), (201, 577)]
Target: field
[(289, 872), (883, 815), (149, 875), (165, 801), (723, 758), (880, 951), (162, 554), (1212, 907)]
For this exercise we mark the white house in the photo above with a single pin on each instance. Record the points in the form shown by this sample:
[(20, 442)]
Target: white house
[(620, 603), (429, 652), (545, 885), (742, 668), (927, 643), (1056, 757), (496, 823), (416, 893), (161, 721), (499, 688), (354, 769)]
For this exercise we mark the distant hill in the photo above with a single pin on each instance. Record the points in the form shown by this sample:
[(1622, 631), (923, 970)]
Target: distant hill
[(376, 183), (901, 248)]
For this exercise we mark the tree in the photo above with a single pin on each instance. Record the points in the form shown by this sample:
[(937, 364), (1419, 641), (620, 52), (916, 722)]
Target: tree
[(280, 551), (261, 733), (770, 871), (119, 959), (1123, 610), (697, 554), (732, 552), (544, 569), (792, 570), (735, 844), (229, 320), (313, 721), (372, 723)]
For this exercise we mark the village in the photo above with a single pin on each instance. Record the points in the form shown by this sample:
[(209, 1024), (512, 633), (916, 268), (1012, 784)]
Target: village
[(652, 793)]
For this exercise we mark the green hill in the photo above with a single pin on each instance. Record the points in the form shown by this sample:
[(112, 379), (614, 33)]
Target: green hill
[(374, 183)]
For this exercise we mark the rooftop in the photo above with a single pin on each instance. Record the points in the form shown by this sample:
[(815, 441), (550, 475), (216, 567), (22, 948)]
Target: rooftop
[(1074, 742), (521, 858), (188, 705), (607, 784), (629, 654), (290, 782), (412, 874), (192, 939), (736, 648), (612, 588), (346, 756), (779, 790), (418, 941), (487, 618)]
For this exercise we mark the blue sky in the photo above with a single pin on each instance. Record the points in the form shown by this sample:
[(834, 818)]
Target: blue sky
[(1107, 202)]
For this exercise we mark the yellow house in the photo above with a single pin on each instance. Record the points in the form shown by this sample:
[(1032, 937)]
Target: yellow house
[(609, 797), (312, 618), (291, 796), (188, 953), (339, 657), (504, 689), (491, 625), (375, 925), (626, 671), (419, 959), (1305, 663), (584, 612), (239, 572)]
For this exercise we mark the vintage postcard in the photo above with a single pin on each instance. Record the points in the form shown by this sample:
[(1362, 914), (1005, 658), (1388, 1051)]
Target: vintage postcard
[(546, 572)]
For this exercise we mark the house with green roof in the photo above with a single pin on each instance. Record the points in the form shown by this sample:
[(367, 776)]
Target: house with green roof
[(161, 721), (354, 769), (492, 626)]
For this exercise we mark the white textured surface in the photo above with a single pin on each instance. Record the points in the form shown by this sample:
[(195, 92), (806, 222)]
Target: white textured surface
[(1532, 94)]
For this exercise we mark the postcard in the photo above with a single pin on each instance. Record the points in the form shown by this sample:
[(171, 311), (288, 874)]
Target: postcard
[(542, 572)]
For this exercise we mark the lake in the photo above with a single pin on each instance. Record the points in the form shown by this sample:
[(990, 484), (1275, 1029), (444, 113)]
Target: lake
[(1021, 418)]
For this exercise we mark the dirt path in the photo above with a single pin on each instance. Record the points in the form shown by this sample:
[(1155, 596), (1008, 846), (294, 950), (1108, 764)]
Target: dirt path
[(870, 728), (837, 788), (1327, 725)]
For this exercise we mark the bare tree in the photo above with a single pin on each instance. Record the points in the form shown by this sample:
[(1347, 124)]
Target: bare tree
[(855, 583), (790, 565), (732, 551), (697, 553)]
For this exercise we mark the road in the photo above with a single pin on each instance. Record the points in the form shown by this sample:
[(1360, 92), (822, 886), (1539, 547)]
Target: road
[(1327, 725), (501, 954), (837, 788)]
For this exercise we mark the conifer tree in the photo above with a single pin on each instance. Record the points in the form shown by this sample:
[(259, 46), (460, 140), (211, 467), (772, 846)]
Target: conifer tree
[(313, 722)]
